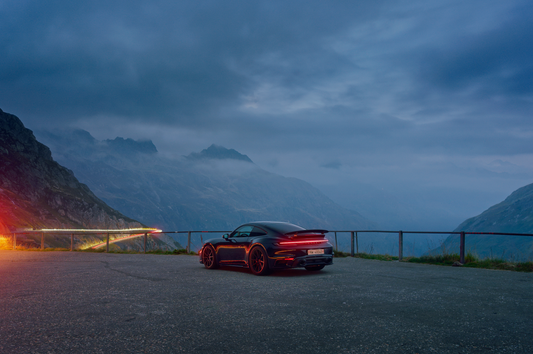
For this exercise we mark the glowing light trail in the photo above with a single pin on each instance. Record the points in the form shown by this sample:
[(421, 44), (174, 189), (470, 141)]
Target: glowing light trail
[(97, 231), (122, 239), (133, 232)]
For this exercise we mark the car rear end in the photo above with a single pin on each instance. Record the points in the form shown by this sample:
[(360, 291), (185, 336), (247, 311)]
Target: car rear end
[(303, 248)]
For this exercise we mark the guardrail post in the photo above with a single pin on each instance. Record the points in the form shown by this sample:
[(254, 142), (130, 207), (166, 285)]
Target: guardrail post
[(145, 238), (42, 241), (107, 243), (71, 242), (14, 241), (336, 246), (462, 248), (188, 242), (400, 245), (356, 243), (351, 244)]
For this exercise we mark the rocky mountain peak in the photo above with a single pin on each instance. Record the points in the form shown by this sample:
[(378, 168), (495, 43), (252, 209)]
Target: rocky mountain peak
[(21, 140), (130, 146), (218, 152), (81, 135)]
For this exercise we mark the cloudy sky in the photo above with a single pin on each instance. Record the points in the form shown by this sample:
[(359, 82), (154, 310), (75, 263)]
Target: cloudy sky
[(424, 100)]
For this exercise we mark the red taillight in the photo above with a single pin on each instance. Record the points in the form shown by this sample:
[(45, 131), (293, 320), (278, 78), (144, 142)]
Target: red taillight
[(303, 242), (289, 259)]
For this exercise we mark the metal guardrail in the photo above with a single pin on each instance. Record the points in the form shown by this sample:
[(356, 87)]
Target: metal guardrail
[(462, 239), (142, 232), (189, 235), (354, 236)]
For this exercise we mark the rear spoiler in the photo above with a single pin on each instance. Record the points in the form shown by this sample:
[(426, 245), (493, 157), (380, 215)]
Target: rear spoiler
[(306, 232)]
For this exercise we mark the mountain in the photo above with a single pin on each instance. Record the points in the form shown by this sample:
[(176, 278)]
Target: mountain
[(514, 215), (220, 153), (37, 192), (215, 189)]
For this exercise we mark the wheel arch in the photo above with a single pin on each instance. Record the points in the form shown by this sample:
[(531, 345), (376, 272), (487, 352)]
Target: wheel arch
[(252, 246)]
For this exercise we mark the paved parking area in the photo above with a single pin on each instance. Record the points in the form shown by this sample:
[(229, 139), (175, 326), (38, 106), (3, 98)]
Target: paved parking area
[(63, 302)]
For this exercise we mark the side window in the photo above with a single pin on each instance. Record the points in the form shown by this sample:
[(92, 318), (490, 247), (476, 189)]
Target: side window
[(243, 231), (257, 232)]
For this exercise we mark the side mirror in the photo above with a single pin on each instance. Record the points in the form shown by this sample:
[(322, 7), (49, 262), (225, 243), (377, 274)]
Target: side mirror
[(225, 236)]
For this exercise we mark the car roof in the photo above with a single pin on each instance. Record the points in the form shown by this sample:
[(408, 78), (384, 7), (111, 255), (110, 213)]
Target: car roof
[(277, 226)]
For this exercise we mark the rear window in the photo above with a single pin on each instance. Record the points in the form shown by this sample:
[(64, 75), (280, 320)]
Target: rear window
[(284, 228)]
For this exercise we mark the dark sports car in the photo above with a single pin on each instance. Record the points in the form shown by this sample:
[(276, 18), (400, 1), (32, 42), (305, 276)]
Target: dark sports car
[(264, 246)]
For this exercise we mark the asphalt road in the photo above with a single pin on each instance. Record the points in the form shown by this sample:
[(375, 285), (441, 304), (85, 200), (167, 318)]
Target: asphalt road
[(63, 302)]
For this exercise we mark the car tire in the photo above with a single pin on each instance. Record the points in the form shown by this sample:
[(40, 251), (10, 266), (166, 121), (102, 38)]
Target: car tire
[(315, 267), (209, 257), (259, 261)]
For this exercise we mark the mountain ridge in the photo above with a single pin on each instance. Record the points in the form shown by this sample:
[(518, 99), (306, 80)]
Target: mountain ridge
[(513, 215), (217, 152), (198, 192)]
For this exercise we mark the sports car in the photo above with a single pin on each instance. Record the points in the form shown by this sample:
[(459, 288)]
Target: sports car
[(265, 246)]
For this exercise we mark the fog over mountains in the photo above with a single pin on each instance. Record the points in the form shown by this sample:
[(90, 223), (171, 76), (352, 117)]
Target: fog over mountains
[(220, 188), (215, 189)]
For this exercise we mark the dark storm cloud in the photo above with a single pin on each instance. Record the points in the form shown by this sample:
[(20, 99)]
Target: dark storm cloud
[(413, 77), (499, 59), (114, 58), (160, 60)]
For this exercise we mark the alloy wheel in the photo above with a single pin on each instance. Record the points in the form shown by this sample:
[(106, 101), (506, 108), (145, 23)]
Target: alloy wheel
[(258, 261)]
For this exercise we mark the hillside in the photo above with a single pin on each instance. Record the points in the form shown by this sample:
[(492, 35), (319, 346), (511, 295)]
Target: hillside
[(37, 192), (215, 189), (514, 214)]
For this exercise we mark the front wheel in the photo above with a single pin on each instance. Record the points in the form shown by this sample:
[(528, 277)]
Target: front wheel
[(259, 261), (315, 267), (209, 258)]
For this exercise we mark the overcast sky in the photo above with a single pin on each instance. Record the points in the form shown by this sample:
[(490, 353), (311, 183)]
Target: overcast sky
[(435, 96)]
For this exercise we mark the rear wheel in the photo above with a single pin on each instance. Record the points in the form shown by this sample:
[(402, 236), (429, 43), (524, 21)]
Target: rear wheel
[(315, 267), (259, 261), (209, 258)]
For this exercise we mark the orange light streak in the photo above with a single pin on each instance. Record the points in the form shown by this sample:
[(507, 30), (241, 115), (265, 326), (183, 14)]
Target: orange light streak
[(123, 238), (93, 231)]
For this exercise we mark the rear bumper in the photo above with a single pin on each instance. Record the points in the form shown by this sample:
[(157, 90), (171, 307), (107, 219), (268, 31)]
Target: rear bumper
[(322, 259)]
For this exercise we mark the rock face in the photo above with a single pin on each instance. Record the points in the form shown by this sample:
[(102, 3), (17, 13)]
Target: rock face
[(37, 192), (514, 214)]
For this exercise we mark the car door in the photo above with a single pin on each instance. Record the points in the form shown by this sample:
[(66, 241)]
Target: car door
[(233, 251)]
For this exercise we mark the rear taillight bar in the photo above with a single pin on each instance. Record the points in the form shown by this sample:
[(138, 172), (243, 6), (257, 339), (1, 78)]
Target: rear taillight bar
[(302, 242)]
